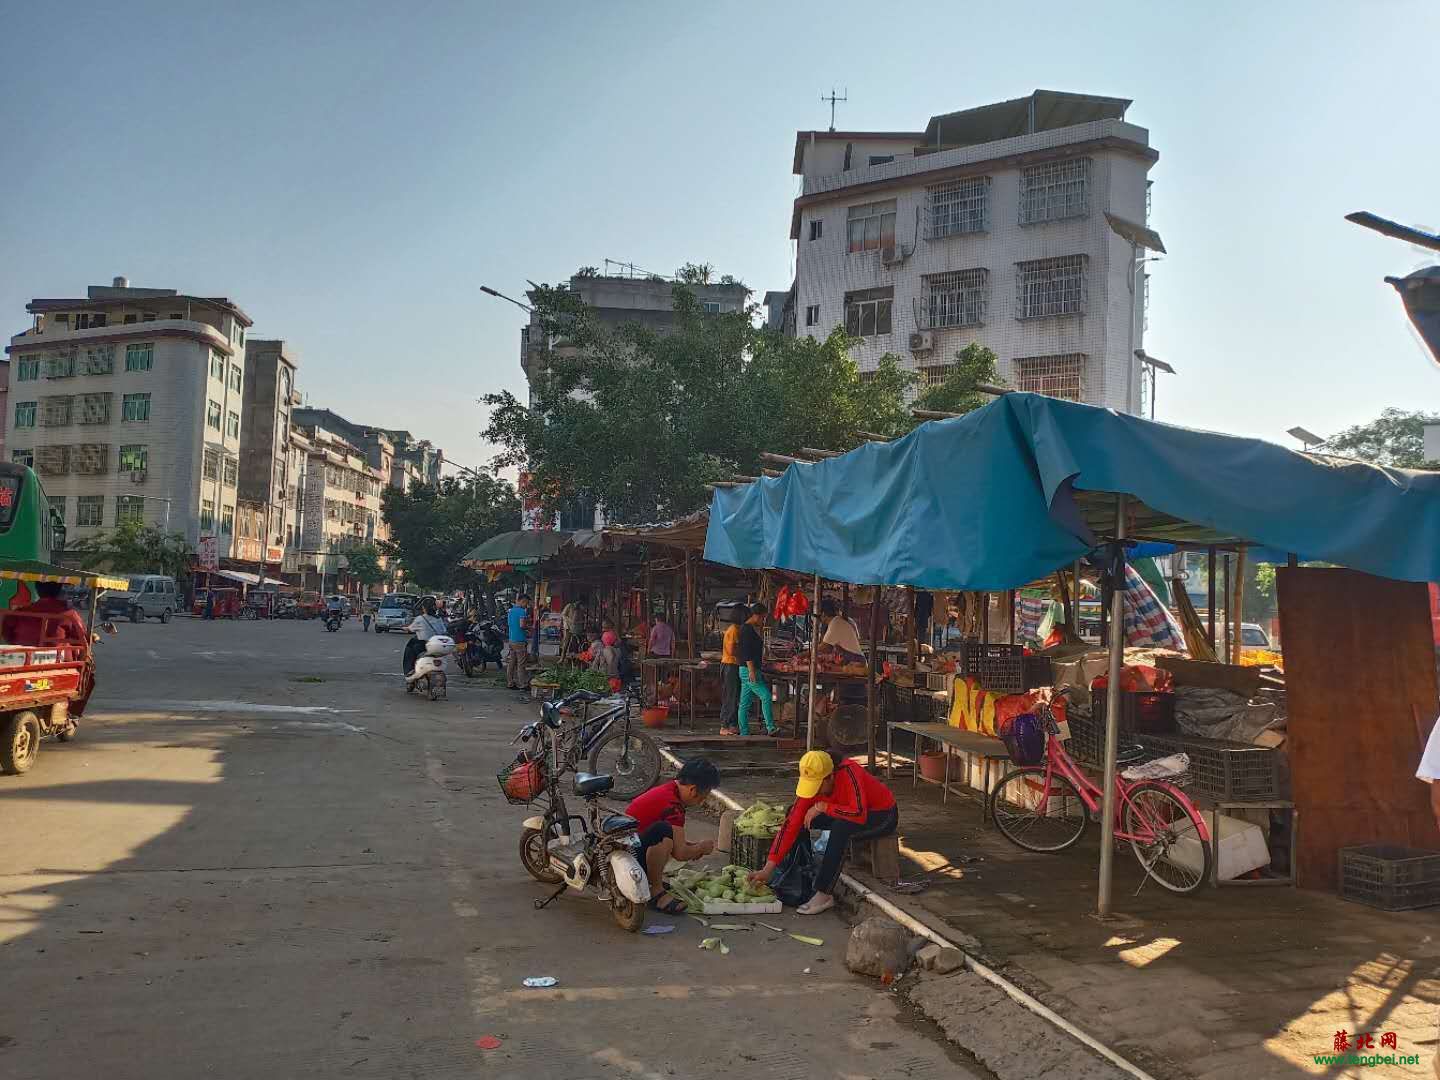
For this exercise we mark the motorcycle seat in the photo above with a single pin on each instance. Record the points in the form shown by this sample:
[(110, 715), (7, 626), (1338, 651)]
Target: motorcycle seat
[(615, 823), (585, 696), (587, 784)]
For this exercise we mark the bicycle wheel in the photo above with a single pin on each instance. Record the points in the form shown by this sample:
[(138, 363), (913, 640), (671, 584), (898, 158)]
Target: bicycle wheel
[(1034, 816), (632, 758), (1174, 854)]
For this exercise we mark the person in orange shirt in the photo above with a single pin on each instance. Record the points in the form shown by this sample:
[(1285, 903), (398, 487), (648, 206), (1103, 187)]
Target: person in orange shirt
[(730, 681)]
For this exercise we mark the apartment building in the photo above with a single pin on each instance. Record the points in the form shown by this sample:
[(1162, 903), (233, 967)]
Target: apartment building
[(404, 460), (646, 300), (341, 500), (1020, 225), (128, 402), (267, 513)]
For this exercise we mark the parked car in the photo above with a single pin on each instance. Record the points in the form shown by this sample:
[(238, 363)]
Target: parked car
[(1253, 636), (393, 614), (149, 596)]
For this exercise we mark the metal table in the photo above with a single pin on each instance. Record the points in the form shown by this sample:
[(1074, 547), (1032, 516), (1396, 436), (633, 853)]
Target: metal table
[(967, 742)]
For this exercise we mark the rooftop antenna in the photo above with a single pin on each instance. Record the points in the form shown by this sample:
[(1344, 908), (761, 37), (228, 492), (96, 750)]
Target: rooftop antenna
[(832, 99)]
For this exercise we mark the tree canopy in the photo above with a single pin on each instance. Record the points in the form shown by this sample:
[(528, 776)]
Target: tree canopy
[(971, 366), (133, 548), (1396, 437), (432, 527), (641, 421), (363, 564)]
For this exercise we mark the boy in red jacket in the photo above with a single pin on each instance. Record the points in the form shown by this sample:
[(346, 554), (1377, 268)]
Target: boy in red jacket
[(837, 794)]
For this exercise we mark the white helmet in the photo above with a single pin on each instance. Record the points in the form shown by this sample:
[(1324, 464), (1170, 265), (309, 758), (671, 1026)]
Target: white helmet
[(440, 645)]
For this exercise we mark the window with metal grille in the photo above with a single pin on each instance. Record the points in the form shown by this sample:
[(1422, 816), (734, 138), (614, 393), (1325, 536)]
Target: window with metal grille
[(210, 464), (99, 359), (207, 513), (961, 206), (27, 368), (232, 425), (235, 377), (139, 357), (1058, 376), (129, 508), (89, 509), (867, 312), (231, 472), (55, 411), (133, 458), (25, 414), (935, 374), (872, 226), (23, 457), (135, 407), (90, 458), (217, 366), (1050, 287), (52, 460), (93, 408), (227, 519), (60, 364), (957, 298), (1055, 191)]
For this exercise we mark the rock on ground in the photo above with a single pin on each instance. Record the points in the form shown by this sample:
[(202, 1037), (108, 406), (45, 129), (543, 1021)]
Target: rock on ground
[(1006, 1038), (878, 947)]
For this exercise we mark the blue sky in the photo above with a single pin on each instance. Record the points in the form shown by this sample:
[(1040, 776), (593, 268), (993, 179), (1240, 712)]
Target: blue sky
[(351, 173)]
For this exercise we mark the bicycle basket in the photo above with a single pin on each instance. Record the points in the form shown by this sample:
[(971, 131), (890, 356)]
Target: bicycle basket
[(523, 780), (1025, 740)]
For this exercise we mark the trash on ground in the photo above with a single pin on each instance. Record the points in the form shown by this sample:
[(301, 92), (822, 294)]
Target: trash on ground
[(808, 940), (729, 926), (767, 926), (659, 928), (488, 1042), (711, 943), (539, 982)]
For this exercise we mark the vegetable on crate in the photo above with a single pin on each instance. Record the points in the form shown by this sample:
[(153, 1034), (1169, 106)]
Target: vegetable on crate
[(760, 820)]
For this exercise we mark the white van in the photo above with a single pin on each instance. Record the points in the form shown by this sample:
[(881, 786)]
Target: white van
[(149, 596)]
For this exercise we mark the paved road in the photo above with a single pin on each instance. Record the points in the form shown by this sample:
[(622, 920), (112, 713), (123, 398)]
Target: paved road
[(261, 859)]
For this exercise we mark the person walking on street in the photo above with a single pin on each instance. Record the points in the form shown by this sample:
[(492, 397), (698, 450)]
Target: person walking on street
[(751, 652), (517, 619), (572, 616)]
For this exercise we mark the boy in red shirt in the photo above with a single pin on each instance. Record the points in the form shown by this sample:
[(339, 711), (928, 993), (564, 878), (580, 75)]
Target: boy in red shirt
[(834, 793), (660, 820)]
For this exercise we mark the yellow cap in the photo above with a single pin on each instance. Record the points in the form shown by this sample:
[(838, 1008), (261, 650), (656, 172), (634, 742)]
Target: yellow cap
[(814, 768)]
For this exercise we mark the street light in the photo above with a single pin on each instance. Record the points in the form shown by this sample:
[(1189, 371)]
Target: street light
[(1307, 438), (162, 499), (1154, 365), (1140, 238), (501, 296)]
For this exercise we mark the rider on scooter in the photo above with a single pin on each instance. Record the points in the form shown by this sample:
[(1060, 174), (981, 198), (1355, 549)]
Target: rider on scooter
[(425, 626)]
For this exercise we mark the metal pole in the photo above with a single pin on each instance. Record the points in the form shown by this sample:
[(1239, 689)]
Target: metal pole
[(870, 671), (814, 652), (1227, 657), (1112, 724), (1237, 641), (690, 612), (1210, 585)]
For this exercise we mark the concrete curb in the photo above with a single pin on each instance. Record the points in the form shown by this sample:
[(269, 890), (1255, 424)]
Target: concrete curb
[(916, 926)]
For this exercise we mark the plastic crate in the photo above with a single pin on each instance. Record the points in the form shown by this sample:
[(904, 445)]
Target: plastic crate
[(1390, 877), (998, 668), (933, 680), (1039, 671), (750, 851), (1141, 712), (1087, 738), (1224, 771)]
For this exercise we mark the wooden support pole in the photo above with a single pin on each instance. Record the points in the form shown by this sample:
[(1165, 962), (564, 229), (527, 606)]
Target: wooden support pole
[(1229, 610), (870, 436), (1236, 640), (689, 608), (1065, 601), (814, 652), (814, 452), (933, 414), (1210, 603), (870, 672), (783, 459), (985, 618)]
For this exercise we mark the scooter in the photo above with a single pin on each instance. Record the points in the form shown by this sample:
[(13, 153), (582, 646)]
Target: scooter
[(429, 675), (332, 621), (479, 644)]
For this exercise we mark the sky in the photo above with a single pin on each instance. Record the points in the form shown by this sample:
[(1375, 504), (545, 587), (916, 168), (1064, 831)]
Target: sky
[(350, 174)]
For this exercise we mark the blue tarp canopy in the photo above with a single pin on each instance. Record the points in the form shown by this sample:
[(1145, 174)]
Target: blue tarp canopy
[(1009, 493)]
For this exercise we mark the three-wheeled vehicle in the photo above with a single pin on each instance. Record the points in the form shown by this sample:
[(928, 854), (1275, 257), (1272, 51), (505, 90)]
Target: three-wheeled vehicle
[(47, 664)]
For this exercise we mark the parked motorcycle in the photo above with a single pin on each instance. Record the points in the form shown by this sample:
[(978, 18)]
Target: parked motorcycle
[(477, 644), (599, 851), (429, 675)]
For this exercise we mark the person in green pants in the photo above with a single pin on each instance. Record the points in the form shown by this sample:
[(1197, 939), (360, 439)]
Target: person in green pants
[(751, 653)]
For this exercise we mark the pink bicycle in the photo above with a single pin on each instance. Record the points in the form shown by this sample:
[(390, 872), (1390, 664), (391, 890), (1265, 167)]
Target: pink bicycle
[(1046, 809)]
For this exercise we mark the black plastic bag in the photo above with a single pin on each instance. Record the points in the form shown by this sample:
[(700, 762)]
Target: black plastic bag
[(794, 880)]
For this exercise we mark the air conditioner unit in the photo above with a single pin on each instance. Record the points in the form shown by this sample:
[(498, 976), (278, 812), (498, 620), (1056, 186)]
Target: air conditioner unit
[(922, 341), (890, 256), (137, 476)]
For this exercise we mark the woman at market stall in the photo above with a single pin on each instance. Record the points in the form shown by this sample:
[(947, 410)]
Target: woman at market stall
[(833, 793), (607, 657), (841, 635)]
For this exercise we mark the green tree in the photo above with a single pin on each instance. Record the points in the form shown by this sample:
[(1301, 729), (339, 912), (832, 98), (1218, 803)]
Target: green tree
[(642, 421), (363, 564), (1396, 437), (431, 528), (133, 548), (972, 365)]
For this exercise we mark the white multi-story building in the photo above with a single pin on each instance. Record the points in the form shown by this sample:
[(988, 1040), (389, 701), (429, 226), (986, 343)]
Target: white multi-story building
[(128, 403), (995, 225), (341, 500)]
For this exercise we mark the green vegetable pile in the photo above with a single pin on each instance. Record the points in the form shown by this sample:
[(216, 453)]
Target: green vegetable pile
[(761, 820), (570, 678), (729, 886)]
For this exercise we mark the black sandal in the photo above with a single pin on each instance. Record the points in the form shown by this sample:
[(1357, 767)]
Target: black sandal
[(676, 906)]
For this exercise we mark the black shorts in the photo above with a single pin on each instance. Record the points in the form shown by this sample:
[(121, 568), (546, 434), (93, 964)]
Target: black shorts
[(661, 830)]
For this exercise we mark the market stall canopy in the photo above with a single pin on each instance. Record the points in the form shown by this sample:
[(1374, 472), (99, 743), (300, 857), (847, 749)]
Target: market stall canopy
[(687, 533), (30, 570), (524, 547), (1008, 493)]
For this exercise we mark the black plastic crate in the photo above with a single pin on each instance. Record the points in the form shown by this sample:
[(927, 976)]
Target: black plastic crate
[(1087, 738), (1390, 877), (1224, 771), (998, 668), (1039, 671), (1142, 712), (750, 851)]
